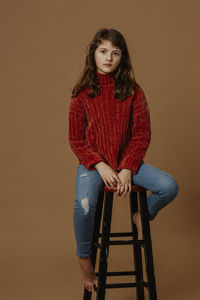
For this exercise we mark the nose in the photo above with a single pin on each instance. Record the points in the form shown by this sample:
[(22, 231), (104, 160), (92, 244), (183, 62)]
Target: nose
[(109, 57)]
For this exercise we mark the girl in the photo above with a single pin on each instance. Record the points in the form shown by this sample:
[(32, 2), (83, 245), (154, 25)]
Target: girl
[(109, 132)]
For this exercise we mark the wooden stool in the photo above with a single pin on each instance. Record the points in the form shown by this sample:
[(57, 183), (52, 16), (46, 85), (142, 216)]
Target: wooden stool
[(106, 198)]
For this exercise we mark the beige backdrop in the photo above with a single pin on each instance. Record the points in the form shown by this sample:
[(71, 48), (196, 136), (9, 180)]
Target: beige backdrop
[(43, 47)]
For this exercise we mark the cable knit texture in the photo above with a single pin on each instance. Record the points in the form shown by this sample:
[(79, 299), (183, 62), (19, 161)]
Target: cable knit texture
[(106, 129)]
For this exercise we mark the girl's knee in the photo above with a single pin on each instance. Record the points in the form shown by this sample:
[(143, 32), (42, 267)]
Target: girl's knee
[(85, 205), (170, 187)]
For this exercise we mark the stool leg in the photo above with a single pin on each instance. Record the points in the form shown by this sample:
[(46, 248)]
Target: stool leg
[(105, 245), (97, 222), (136, 248), (148, 245)]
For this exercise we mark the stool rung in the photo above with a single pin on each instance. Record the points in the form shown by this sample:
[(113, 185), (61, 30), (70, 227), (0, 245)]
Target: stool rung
[(118, 234), (120, 242), (129, 242), (125, 285), (120, 273)]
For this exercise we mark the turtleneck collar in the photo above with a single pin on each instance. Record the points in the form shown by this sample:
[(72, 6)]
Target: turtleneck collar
[(105, 78)]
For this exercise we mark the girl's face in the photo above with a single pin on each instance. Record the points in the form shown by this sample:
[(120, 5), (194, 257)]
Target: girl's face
[(107, 57)]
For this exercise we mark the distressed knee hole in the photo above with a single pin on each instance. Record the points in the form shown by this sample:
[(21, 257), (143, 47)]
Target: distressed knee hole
[(85, 205), (82, 175)]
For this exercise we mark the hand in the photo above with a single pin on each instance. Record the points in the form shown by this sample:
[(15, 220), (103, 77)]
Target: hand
[(109, 176), (126, 178)]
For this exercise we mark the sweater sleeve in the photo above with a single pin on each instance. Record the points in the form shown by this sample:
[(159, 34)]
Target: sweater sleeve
[(136, 148), (76, 135)]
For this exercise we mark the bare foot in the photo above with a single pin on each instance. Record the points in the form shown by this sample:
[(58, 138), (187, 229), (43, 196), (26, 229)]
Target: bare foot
[(136, 217), (89, 278)]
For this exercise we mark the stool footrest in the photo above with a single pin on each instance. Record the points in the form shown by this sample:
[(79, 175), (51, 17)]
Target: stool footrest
[(128, 242), (121, 242), (119, 273), (125, 285), (118, 234)]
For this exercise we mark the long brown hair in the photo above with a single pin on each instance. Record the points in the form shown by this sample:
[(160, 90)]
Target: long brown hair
[(124, 79)]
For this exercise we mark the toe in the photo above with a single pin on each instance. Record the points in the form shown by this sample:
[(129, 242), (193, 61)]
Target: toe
[(91, 287), (87, 287), (96, 283)]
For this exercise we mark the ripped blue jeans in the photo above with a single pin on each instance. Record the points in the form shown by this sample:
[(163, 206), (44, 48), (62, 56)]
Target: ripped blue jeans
[(162, 185)]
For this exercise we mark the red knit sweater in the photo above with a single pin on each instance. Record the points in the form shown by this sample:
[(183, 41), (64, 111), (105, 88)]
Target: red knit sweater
[(106, 129)]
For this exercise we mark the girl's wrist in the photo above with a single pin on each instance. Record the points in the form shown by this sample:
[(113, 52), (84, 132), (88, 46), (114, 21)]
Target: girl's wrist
[(126, 170), (99, 164)]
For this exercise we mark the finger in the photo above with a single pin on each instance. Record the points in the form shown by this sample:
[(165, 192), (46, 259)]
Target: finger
[(117, 185), (118, 189), (121, 189), (106, 183), (115, 189), (112, 183), (125, 191), (117, 178), (130, 187)]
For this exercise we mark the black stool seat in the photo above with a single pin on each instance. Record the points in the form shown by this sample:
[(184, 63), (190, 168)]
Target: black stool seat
[(138, 198)]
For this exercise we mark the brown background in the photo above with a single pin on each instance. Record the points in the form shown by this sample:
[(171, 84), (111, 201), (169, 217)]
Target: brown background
[(42, 53)]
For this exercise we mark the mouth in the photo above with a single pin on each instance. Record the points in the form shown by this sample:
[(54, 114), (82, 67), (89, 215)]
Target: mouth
[(107, 65)]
